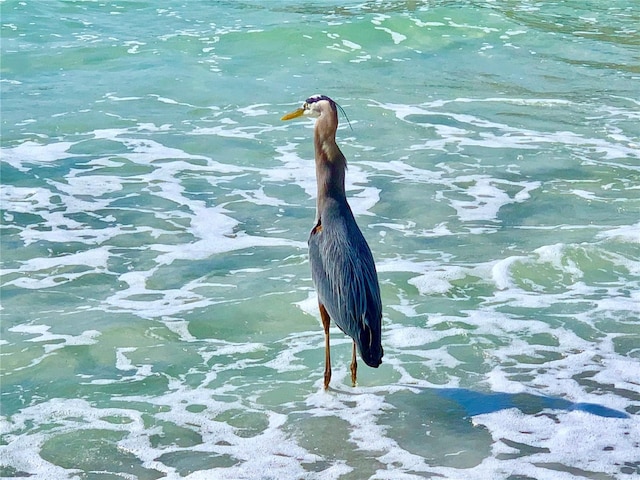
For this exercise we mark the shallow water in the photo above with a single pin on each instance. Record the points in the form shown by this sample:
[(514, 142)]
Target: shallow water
[(158, 316)]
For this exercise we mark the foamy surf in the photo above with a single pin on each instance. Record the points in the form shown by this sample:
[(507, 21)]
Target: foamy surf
[(158, 315)]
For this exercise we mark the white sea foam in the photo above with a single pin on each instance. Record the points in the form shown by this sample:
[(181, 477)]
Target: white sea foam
[(508, 136), (30, 152), (555, 438), (438, 280), (627, 233), (159, 311), (414, 338), (488, 198), (52, 342)]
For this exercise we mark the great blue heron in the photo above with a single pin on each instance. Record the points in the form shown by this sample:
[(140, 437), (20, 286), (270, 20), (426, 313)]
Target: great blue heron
[(342, 267)]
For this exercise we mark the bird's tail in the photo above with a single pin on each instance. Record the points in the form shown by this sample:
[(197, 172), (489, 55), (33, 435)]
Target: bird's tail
[(370, 346)]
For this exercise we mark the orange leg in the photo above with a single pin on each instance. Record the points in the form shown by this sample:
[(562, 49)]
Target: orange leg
[(354, 366), (326, 320)]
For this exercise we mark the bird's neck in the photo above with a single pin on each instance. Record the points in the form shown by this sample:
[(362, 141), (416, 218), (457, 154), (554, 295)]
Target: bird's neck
[(330, 167)]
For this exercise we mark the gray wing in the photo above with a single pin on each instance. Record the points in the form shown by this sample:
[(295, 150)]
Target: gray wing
[(344, 274)]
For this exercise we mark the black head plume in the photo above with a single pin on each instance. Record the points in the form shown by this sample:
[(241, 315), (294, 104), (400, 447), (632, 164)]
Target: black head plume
[(334, 104)]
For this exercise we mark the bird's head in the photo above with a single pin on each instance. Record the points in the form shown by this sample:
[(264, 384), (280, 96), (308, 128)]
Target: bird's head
[(317, 105), (314, 106)]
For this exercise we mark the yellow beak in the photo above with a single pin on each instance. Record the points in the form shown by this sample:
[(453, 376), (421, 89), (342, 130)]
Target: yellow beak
[(295, 114)]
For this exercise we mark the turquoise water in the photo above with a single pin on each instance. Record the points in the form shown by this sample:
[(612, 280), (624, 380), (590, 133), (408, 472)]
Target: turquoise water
[(158, 316)]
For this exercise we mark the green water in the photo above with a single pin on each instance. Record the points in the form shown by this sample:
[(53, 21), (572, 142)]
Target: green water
[(158, 316)]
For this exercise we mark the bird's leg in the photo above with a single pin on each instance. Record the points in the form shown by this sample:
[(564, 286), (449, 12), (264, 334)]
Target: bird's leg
[(326, 320), (354, 366)]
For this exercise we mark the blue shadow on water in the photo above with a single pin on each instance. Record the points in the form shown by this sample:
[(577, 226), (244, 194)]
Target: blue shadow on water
[(477, 403)]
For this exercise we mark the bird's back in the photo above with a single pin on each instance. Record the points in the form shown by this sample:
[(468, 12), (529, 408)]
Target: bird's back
[(344, 274)]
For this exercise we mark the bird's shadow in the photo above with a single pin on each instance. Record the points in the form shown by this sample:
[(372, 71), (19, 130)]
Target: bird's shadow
[(478, 403)]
